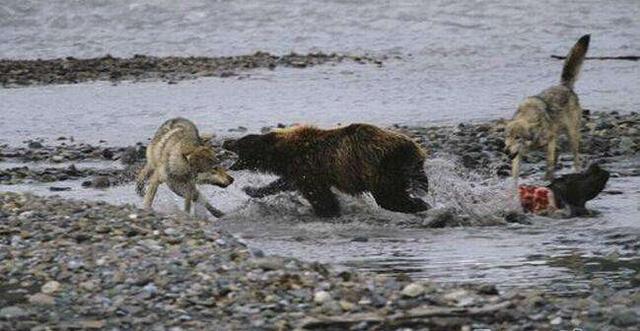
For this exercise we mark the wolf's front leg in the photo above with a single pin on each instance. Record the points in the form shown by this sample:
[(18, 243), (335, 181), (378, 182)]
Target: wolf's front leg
[(199, 198), (515, 168), (551, 158), (277, 186)]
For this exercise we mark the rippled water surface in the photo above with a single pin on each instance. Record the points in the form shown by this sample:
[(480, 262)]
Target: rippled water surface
[(459, 61), (447, 62)]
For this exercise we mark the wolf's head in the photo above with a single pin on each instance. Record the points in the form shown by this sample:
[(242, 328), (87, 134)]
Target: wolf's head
[(255, 152), (215, 176), (202, 160), (519, 137)]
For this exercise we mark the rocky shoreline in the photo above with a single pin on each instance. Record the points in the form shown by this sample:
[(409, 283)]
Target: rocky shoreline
[(17, 73), (89, 265), (606, 138)]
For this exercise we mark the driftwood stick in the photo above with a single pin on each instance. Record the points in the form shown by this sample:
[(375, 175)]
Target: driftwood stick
[(624, 57), (420, 313)]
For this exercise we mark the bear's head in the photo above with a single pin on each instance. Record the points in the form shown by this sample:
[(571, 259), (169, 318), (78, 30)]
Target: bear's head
[(255, 152)]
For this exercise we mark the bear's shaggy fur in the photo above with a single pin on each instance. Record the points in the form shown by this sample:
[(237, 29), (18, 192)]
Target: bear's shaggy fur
[(353, 159)]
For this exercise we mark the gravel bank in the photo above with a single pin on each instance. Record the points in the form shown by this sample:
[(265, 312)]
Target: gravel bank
[(608, 138), (89, 265), (16, 73)]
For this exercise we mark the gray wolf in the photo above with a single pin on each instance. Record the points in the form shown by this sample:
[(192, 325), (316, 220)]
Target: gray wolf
[(180, 157), (540, 119)]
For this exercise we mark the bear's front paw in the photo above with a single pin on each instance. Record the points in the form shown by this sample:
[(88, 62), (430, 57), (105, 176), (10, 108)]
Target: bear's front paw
[(252, 192)]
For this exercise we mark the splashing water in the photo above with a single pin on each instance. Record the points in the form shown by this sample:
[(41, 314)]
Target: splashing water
[(468, 198), (483, 197)]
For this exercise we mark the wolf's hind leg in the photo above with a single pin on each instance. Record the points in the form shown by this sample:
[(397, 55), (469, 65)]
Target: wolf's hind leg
[(277, 186), (154, 182), (142, 178), (574, 140)]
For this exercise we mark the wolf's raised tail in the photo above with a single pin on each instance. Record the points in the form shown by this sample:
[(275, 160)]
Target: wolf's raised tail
[(574, 61)]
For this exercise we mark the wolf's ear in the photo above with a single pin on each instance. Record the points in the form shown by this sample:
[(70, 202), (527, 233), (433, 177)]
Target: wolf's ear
[(207, 138)]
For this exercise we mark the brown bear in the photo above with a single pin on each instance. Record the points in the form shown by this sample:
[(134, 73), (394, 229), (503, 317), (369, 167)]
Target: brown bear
[(353, 159)]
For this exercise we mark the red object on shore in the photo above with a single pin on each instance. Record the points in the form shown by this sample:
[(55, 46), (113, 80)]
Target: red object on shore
[(536, 199)]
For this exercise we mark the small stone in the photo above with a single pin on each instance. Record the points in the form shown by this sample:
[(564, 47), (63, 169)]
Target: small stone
[(556, 321), (89, 285), (50, 287), (170, 231), (41, 299), (12, 312), (100, 182), (460, 297), (321, 297), (75, 264), (488, 289), (413, 290), (346, 305), (150, 288), (57, 158), (35, 144), (625, 317), (362, 239), (268, 263), (131, 155), (59, 188), (92, 324)]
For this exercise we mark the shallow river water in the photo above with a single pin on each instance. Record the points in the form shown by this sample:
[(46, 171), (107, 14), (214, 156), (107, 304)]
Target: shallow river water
[(448, 62)]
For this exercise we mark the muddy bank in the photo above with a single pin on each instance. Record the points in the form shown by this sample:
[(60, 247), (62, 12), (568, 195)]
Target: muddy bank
[(16, 73), (78, 264)]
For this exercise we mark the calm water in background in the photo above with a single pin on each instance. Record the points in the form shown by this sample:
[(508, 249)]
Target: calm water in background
[(458, 62)]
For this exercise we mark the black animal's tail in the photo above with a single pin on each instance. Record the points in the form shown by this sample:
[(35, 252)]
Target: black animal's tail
[(574, 61)]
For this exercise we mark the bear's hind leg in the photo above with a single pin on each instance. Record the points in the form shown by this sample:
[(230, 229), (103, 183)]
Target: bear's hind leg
[(323, 201)]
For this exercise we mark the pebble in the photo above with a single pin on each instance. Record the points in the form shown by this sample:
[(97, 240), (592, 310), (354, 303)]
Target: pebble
[(625, 317), (321, 297), (413, 290), (12, 312), (41, 299), (50, 287)]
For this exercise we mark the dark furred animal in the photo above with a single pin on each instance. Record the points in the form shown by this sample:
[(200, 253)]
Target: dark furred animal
[(353, 159), (574, 190)]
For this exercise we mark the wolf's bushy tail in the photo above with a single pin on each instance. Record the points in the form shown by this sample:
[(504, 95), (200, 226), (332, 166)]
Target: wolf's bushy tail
[(574, 60)]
